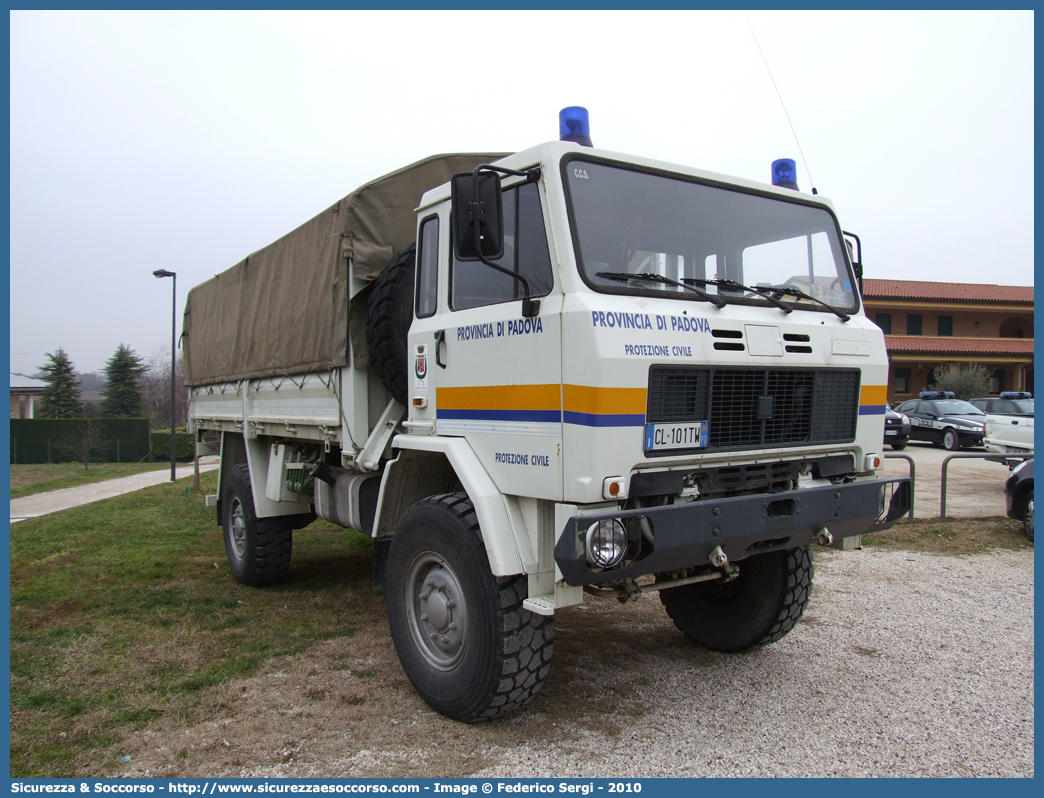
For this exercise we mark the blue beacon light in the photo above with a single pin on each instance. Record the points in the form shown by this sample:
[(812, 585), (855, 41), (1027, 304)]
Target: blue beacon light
[(574, 125), (784, 173)]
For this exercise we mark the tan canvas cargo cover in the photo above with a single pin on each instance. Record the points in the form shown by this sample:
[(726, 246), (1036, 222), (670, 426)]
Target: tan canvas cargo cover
[(284, 310)]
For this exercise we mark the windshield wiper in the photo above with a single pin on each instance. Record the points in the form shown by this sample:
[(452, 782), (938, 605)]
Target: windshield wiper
[(780, 290), (650, 277), (733, 285)]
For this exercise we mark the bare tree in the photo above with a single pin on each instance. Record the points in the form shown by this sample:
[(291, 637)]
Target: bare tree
[(156, 386), (87, 443)]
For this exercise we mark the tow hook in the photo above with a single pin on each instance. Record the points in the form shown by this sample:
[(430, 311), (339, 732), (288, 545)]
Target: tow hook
[(629, 591), (824, 538), (729, 572), (718, 558)]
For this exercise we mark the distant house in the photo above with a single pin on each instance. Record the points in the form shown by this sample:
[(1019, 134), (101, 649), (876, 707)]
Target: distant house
[(929, 324), (25, 392)]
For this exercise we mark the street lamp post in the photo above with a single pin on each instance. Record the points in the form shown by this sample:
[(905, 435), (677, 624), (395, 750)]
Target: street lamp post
[(173, 355)]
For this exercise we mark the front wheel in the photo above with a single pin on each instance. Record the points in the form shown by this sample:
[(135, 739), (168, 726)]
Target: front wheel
[(899, 446), (759, 606), (258, 549), (464, 640), (1027, 516), (950, 440)]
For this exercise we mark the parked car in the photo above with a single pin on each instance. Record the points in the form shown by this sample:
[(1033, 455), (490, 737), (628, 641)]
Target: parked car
[(1018, 491), (1009, 422), (942, 419), (897, 428), (1008, 403), (1008, 434)]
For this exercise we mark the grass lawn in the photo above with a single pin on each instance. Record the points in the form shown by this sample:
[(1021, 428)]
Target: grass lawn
[(125, 609), (952, 535), (29, 479)]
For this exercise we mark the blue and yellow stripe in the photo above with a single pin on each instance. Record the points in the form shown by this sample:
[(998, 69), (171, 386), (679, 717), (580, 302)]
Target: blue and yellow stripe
[(872, 400), (583, 405), (604, 407)]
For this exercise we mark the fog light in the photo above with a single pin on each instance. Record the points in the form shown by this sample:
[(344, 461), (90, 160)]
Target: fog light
[(606, 543)]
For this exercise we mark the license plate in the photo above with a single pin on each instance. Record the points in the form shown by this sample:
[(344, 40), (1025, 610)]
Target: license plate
[(664, 437), (891, 432)]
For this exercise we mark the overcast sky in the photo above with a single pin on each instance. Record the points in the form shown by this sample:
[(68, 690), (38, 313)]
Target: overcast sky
[(187, 140)]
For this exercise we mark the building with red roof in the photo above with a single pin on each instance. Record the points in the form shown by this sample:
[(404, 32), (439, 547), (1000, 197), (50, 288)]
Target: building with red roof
[(929, 324)]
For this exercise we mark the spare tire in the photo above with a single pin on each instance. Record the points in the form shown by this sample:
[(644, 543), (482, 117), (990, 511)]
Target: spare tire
[(389, 313)]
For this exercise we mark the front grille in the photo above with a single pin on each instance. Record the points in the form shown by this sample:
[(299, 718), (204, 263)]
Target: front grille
[(757, 408), (734, 422), (678, 394)]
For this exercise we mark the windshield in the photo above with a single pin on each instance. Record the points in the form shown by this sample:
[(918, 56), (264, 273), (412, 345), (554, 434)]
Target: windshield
[(635, 223), (958, 407)]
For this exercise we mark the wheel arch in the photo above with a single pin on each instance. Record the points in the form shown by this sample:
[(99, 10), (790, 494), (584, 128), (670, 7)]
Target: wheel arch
[(232, 453), (236, 448), (428, 465)]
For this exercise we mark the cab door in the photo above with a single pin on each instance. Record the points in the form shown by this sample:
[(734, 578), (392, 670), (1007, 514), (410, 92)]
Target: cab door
[(497, 375)]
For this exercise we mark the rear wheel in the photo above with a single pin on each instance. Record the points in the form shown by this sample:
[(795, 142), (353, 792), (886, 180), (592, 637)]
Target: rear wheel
[(258, 549), (465, 642), (758, 607), (950, 440)]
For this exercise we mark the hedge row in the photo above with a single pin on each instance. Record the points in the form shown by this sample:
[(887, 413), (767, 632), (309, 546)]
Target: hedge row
[(184, 445), (40, 440)]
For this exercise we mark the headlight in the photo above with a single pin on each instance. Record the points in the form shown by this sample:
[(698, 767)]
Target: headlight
[(906, 419), (606, 543)]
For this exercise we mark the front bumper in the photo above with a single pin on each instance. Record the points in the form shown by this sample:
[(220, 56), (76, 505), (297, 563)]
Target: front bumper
[(1009, 496), (969, 438), (897, 433), (684, 535)]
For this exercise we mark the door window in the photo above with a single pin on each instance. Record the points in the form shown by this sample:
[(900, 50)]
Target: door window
[(473, 283), (428, 269)]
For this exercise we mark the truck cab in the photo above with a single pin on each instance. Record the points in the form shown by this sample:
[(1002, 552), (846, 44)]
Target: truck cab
[(697, 337)]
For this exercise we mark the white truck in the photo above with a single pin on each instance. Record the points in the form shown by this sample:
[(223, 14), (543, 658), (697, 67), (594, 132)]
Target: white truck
[(536, 375)]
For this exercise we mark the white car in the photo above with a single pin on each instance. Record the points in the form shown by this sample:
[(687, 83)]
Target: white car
[(1010, 430)]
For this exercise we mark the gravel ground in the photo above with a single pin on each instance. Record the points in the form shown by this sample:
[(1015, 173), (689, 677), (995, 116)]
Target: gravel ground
[(905, 664)]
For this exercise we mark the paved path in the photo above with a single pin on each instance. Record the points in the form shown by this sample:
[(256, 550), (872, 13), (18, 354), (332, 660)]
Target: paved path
[(56, 500)]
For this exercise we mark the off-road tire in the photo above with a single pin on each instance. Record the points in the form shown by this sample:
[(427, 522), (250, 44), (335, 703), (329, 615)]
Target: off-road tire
[(759, 607), (258, 549), (1027, 515), (389, 313), (951, 441), (501, 655)]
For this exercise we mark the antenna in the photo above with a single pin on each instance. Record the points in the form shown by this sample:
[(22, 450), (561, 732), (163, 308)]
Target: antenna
[(778, 94)]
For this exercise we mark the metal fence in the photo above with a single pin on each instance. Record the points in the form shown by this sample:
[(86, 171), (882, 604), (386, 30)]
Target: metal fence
[(1006, 459)]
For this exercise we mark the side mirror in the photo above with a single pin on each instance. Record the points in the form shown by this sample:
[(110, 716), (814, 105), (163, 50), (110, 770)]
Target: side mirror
[(478, 216), (855, 254)]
